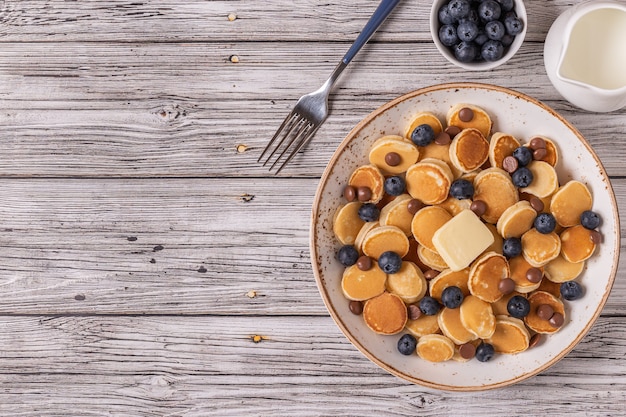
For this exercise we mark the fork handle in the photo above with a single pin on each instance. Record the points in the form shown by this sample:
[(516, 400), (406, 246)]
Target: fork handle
[(383, 10)]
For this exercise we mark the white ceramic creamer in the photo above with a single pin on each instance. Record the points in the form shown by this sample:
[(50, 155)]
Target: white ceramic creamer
[(585, 55)]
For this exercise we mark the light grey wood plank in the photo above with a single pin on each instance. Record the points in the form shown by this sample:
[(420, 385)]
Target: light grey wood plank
[(196, 366), (175, 246), (202, 21)]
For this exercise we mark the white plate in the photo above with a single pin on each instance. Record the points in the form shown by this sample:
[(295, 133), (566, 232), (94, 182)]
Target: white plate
[(513, 113)]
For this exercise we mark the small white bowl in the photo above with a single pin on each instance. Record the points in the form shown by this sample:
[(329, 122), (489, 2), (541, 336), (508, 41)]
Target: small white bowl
[(520, 9)]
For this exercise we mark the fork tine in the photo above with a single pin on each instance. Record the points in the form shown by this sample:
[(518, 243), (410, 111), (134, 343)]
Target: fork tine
[(292, 126), (302, 138), (285, 122), (303, 126)]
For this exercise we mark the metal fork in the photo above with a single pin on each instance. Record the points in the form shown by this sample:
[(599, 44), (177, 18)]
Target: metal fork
[(311, 109)]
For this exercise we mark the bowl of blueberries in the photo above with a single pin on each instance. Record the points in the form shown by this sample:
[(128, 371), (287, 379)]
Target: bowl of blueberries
[(478, 34)]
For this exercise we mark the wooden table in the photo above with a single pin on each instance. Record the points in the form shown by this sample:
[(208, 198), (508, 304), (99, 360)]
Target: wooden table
[(150, 267)]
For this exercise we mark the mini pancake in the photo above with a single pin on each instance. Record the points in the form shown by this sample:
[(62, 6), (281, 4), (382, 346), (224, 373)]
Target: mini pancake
[(440, 153), (485, 274), (407, 151), (501, 145), (454, 206), (396, 213), (545, 180), (369, 176), (347, 223), (385, 313), (408, 283), (423, 325), (449, 278), (519, 267), (538, 248), (561, 270), (426, 222), (450, 324), (500, 307), (480, 119), (533, 321), (477, 317), (516, 220), (496, 246), (425, 117), (511, 335), (431, 259), (429, 181), (385, 238), (552, 153), (576, 244), (362, 285), (435, 348), (569, 202), (469, 150), (495, 188), (360, 237)]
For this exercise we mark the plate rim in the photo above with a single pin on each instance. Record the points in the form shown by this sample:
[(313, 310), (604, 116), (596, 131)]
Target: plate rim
[(314, 253)]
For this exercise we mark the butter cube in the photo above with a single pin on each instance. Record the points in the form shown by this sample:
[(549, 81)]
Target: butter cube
[(462, 239)]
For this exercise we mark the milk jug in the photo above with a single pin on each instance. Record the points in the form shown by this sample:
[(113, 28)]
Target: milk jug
[(585, 55)]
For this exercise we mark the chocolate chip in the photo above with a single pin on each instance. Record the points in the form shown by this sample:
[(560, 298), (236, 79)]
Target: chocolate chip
[(349, 193), (545, 312), (364, 193), (452, 131), (414, 206), (364, 263), (539, 154), (506, 286), (414, 311), (443, 139), (595, 236), (510, 164), (467, 350), (356, 307), (430, 274), (534, 340), (534, 275), (393, 159), (479, 207), (557, 320), (466, 114), (536, 203), (537, 143)]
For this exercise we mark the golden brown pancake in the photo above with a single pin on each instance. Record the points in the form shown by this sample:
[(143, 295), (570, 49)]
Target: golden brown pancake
[(480, 121), (485, 276), (576, 244), (536, 323), (516, 220), (347, 223), (435, 348), (495, 188), (426, 222), (501, 145), (545, 180), (511, 336), (385, 238), (448, 278), (362, 285), (477, 317), (396, 213), (538, 248), (469, 150), (385, 313), (569, 202), (450, 324), (423, 325), (408, 283), (408, 152), (560, 270), (519, 267), (431, 259), (369, 176), (429, 181), (421, 118)]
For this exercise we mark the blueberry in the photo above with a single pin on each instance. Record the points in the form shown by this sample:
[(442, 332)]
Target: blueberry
[(445, 17), (571, 290), (507, 40), (523, 155), (481, 38), (461, 189), (484, 352), (429, 306), (489, 10), (512, 247), (459, 9), (492, 50), (448, 36), (452, 297), (407, 344), (395, 185), (472, 16), (347, 255), (522, 177), (368, 212), (495, 30), (390, 262), (506, 5), (423, 135), (545, 223), (518, 306), (590, 220), (513, 25), (466, 51), (467, 31)]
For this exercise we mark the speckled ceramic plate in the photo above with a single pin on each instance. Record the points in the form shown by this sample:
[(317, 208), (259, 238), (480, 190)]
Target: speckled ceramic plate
[(523, 117)]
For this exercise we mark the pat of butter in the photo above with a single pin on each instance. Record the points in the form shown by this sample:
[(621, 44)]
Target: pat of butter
[(462, 239)]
